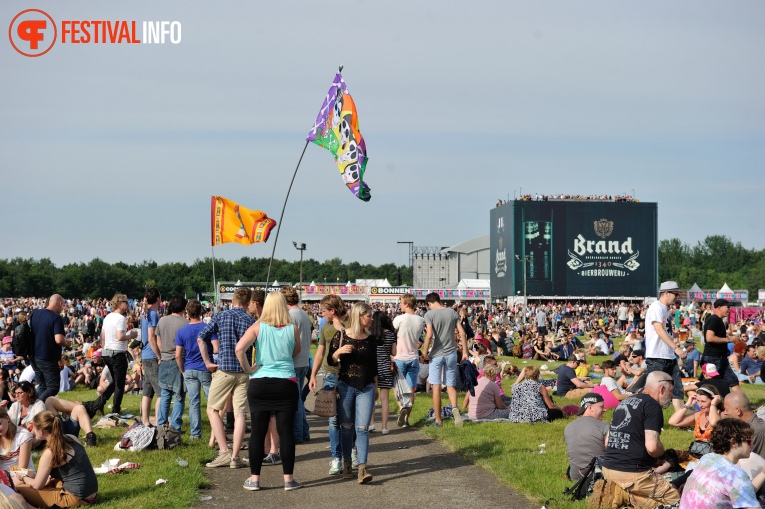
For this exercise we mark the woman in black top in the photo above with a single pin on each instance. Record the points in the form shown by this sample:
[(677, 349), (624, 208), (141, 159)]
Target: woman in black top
[(72, 479), (355, 349)]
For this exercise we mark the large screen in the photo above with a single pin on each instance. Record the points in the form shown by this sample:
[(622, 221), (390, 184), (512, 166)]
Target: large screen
[(574, 248)]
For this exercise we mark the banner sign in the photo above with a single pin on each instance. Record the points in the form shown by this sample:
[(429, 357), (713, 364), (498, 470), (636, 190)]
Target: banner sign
[(713, 295), (388, 290), (454, 294), (335, 290)]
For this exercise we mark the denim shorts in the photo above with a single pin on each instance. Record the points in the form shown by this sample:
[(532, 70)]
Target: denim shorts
[(410, 370), (449, 365)]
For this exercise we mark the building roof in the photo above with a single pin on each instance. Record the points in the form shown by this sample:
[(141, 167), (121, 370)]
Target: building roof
[(470, 246)]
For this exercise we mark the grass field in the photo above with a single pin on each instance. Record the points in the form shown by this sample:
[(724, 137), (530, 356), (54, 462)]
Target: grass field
[(506, 450)]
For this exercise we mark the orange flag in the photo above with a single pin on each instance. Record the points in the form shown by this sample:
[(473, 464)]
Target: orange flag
[(233, 223)]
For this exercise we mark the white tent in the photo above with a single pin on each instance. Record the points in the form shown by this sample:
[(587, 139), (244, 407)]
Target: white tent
[(474, 284), (725, 289)]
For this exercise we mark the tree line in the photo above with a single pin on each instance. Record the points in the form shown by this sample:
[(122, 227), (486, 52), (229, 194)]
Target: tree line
[(21, 277), (710, 263)]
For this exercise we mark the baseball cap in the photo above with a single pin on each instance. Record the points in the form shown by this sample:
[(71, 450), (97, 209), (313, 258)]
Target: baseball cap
[(689, 342), (589, 399), (720, 303), (669, 286), (7, 339), (97, 353), (710, 370), (638, 353)]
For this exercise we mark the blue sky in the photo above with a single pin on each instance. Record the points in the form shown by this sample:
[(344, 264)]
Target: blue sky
[(113, 151)]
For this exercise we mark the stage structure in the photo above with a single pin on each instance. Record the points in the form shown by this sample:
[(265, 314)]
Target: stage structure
[(574, 249)]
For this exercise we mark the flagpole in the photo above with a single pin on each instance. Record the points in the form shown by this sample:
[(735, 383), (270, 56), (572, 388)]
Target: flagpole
[(215, 285), (279, 224)]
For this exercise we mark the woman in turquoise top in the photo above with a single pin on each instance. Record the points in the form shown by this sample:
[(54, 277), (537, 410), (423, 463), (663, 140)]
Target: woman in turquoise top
[(273, 386)]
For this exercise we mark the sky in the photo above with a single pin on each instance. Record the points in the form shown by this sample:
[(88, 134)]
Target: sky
[(114, 150)]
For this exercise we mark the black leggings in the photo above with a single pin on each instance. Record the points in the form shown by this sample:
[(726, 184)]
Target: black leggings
[(284, 423)]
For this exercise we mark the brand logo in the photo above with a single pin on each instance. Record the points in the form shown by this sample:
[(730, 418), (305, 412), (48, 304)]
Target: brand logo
[(604, 228), (33, 32), (603, 255), (388, 290)]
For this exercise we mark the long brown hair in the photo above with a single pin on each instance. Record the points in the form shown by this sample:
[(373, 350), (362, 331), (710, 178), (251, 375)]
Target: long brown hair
[(57, 442)]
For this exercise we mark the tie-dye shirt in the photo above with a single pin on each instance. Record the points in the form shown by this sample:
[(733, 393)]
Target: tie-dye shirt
[(716, 483)]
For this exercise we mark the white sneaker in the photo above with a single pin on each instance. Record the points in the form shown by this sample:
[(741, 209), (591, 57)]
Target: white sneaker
[(354, 458), (385, 431), (335, 466), (457, 417)]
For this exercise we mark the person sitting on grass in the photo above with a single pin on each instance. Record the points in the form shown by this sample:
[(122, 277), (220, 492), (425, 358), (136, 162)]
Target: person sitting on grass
[(65, 476), (703, 418), (77, 417), (487, 402), (615, 387), (531, 402), (15, 447), (585, 437), (717, 481), (569, 384)]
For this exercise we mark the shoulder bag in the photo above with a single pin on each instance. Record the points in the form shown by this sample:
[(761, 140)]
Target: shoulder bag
[(325, 402)]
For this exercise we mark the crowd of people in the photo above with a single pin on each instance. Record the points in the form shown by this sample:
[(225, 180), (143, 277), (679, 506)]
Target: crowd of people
[(176, 348), (573, 197)]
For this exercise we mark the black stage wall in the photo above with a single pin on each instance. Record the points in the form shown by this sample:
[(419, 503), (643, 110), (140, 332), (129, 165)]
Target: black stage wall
[(582, 248)]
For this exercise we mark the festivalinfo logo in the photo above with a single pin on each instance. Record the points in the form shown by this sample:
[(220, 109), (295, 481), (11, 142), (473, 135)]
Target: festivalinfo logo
[(33, 32)]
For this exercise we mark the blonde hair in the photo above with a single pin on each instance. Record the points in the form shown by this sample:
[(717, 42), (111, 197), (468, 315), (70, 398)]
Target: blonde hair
[(490, 371), (760, 351), (531, 373), (118, 297), (57, 443), (11, 431), (354, 324), (275, 311)]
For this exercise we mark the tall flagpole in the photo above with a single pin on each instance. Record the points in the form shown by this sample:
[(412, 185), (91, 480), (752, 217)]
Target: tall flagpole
[(279, 224), (215, 284)]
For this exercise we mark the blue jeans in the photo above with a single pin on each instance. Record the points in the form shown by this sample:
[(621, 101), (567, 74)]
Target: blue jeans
[(410, 370), (194, 380), (330, 379), (300, 428), (176, 418), (670, 367), (355, 407), (48, 377)]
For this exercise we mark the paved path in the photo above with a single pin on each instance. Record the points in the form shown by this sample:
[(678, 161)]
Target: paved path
[(417, 475)]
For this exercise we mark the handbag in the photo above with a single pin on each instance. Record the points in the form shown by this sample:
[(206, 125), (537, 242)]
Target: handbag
[(699, 448), (325, 401)]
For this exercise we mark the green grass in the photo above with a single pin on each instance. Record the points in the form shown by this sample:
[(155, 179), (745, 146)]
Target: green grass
[(506, 450), (137, 488)]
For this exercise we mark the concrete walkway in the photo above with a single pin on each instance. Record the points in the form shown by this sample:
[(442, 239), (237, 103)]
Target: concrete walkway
[(410, 470)]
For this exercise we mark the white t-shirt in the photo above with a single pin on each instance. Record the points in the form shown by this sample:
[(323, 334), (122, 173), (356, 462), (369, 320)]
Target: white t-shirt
[(610, 384), (655, 348), (602, 346), (10, 458), (64, 374), (112, 323), (28, 375), (409, 328)]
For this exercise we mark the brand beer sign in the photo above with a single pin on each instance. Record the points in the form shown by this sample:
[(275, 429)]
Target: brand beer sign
[(609, 258)]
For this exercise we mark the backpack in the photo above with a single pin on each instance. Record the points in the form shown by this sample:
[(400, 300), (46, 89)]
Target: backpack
[(22, 340), (139, 437), (584, 486), (518, 351), (168, 437)]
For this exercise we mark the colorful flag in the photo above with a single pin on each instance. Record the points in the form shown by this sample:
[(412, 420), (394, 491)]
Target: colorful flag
[(233, 223), (337, 130)]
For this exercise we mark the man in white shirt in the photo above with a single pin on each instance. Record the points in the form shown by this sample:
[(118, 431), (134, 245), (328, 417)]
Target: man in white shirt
[(409, 327), (660, 348), (115, 339)]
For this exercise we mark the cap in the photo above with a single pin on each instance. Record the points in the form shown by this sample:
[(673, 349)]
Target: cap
[(7, 339), (689, 342), (619, 358), (710, 370), (720, 303), (638, 353), (97, 353), (589, 399), (669, 286)]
